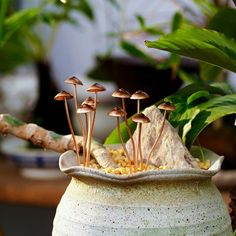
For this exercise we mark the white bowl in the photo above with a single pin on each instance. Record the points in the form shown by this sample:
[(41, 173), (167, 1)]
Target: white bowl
[(33, 163)]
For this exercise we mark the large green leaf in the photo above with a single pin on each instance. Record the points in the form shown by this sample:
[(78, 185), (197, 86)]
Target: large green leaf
[(194, 120), (205, 45)]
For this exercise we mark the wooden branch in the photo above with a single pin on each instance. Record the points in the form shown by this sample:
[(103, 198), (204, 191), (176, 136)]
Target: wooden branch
[(50, 140)]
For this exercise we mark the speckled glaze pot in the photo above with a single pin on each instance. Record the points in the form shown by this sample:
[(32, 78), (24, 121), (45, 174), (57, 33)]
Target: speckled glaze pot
[(164, 202)]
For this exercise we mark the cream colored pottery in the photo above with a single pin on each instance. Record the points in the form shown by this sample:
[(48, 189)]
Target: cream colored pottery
[(163, 202)]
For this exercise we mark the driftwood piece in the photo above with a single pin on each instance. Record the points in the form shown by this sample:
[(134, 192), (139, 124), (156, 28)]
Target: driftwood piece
[(51, 140)]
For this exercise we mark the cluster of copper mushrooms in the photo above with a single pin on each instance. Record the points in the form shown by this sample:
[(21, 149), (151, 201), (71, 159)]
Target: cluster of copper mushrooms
[(88, 108)]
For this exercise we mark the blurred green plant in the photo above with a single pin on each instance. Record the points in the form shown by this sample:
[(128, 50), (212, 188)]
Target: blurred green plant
[(27, 36), (22, 41)]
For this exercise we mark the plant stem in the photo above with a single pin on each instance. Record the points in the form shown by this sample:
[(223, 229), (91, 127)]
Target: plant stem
[(72, 132), (157, 140), (51, 39)]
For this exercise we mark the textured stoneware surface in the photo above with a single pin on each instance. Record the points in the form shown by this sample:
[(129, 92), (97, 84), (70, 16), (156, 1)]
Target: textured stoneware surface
[(159, 203)]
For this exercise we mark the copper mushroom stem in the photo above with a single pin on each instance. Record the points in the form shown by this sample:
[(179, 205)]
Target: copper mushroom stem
[(95, 88), (166, 107), (117, 112), (140, 119), (88, 101), (63, 95), (138, 95), (123, 94), (85, 109)]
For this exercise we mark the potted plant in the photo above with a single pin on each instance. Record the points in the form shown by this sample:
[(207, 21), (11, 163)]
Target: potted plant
[(113, 196), (163, 201)]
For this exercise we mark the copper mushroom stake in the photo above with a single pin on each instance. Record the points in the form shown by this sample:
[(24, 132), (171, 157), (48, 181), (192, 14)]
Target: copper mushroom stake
[(117, 112), (64, 96), (166, 107), (140, 119), (85, 109)]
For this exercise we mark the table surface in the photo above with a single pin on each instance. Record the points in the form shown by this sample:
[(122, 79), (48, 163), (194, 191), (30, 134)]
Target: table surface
[(17, 189)]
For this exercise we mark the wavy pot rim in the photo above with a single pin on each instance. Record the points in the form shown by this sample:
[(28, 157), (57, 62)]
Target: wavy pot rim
[(67, 164)]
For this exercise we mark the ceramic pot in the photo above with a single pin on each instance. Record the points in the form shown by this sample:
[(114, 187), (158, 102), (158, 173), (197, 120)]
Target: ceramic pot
[(163, 202)]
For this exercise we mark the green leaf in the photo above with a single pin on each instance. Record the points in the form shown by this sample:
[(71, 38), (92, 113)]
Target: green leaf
[(113, 137), (141, 20), (210, 73), (176, 21), (199, 94), (85, 8), (208, 8), (114, 3), (187, 91), (187, 78), (224, 86), (3, 11), (133, 50), (202, 44), (224, 22), (184, 112), (207, 113), (18, 20), (13, 54)]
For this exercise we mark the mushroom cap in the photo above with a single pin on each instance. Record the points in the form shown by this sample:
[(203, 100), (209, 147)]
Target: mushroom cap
[(62, 96), (121, 93), (89, 101), (96, 88), (140, 118), (85, 108), (139, 95), (73, 80), (166, 106), (116, 112)]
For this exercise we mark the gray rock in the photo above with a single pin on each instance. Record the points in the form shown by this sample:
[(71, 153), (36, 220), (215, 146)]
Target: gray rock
[(170, 151)]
